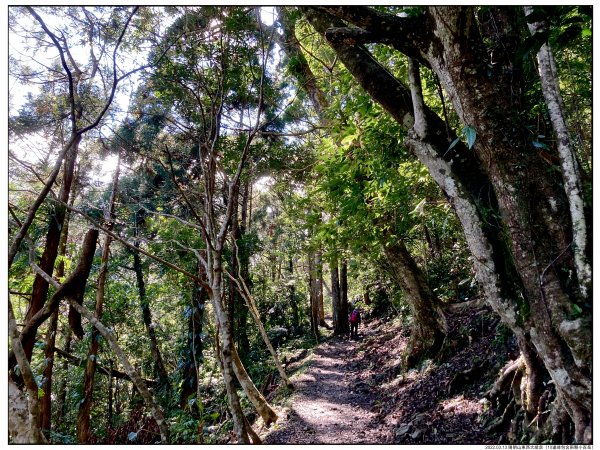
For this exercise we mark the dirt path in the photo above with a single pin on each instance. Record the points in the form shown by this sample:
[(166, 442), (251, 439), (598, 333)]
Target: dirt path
[(327, 407)]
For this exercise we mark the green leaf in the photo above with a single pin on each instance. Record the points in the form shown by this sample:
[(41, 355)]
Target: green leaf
[(453, 144), (471, 134)]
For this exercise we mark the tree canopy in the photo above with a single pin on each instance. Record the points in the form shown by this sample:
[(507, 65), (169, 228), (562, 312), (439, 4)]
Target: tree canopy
[(205, 190)]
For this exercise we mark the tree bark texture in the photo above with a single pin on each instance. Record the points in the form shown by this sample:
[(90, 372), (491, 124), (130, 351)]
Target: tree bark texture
[(24, 417), (428, 327), (568, 160), (530, 204), (55, 225)]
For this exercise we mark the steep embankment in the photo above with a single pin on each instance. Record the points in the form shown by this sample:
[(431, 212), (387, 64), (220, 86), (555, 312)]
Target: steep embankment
[(357, 391)]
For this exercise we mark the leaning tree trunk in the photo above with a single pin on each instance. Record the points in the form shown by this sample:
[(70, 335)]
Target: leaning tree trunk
[(226, 348), (55, 225), (428, 328), (135, 377)]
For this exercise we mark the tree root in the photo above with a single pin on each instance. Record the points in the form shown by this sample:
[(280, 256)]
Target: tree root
[(545, 421)]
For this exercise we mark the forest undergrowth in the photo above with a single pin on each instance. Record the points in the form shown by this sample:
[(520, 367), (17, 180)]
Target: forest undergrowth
[(359, 392)]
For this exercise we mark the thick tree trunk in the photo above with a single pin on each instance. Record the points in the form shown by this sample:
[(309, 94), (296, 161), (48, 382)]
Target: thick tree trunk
[(534, 209), (531, 203), (428, 328), (55, 224)]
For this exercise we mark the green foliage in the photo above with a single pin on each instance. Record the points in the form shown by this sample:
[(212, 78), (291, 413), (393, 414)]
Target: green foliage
[(347, 192)]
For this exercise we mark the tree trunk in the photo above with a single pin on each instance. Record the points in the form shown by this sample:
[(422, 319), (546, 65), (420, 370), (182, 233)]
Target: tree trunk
[(568, 160), (313, 294), (61, 404), (319, 288), (243, 288), (85, 407), (292, 296), (344, 325), (163, 376), (256, 398), (137, 380), (24, 417), (45, 404), (226, 348), (109, 408), (534, 210), (336, 301), (55, 225), (243, 341), (530, 204), (428, 328), (194, 344)]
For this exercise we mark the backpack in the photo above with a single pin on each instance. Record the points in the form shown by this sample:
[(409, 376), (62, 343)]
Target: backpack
[(354, 316)]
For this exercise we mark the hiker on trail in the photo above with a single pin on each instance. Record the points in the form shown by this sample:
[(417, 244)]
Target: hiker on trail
[(354, 319)]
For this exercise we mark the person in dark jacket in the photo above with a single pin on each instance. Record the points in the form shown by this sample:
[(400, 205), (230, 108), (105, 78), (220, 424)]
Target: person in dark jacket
[(355, 320)]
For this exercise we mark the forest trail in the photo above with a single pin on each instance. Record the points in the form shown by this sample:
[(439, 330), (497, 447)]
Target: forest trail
[(356, 392), (328, 406)]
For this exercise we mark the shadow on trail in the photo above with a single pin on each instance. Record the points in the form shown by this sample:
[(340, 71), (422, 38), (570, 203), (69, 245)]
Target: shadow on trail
[(326, 409)]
